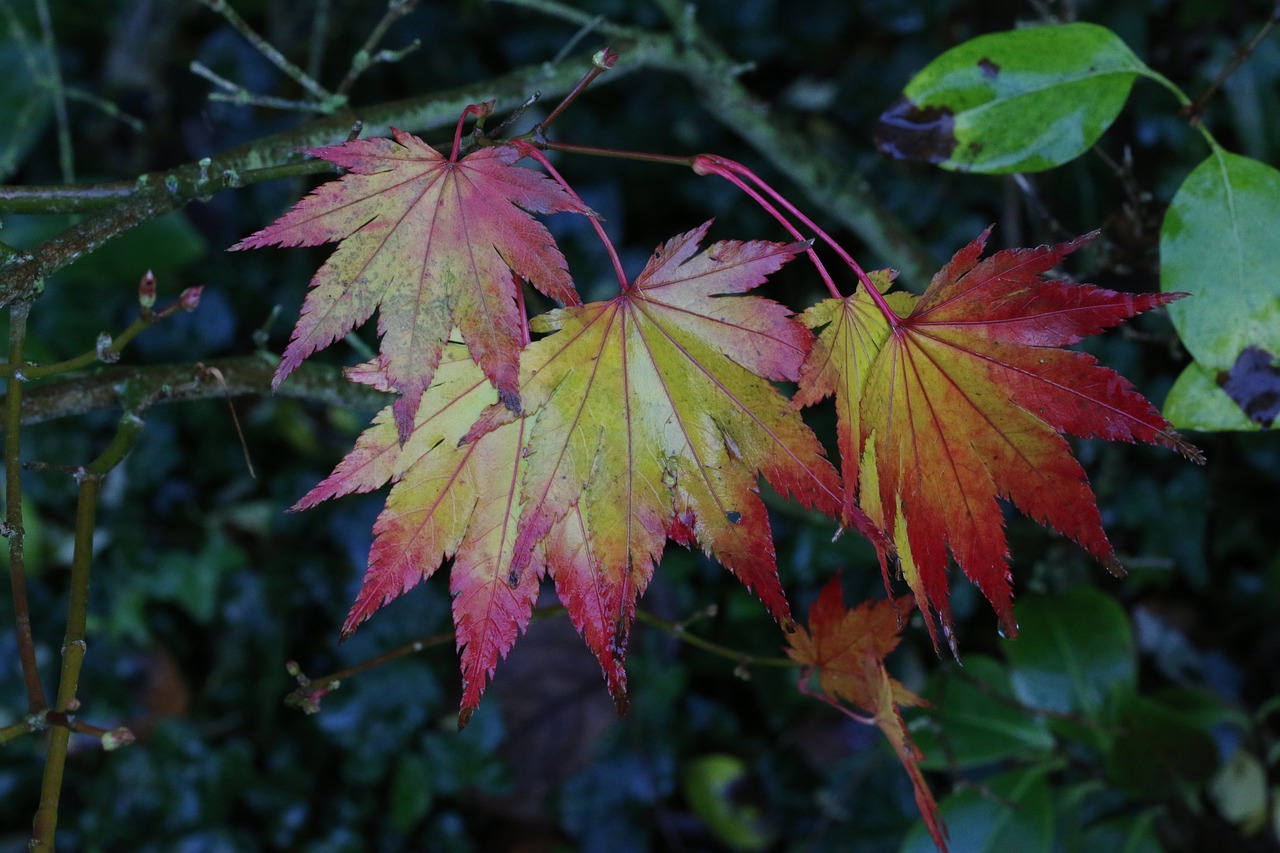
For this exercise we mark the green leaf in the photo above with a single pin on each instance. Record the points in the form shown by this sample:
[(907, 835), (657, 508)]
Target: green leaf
[(1124, 835), (1019, 817), (1073, 651), (1197, 401), (977, 726), (710, 786), (1159, 751), (411, 792), (1018, 101), (1218, 243)]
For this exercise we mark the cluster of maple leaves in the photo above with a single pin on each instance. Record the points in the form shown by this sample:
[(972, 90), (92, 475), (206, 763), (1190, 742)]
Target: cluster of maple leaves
[(652, 416)]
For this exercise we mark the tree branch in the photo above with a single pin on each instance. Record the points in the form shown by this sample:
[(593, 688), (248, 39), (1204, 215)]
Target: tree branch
[(125, 387)]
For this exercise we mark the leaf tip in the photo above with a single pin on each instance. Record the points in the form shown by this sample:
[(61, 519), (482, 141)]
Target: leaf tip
[(464, 716), (621, 702), (1113, 566), (511, 399)]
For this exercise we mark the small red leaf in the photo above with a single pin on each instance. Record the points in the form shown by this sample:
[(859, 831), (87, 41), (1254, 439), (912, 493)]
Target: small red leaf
[(847, 648)]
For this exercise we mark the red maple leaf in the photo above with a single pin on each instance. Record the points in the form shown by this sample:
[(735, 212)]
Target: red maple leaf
[(847, 649), (431, 242), (963, 399), (655, 418)]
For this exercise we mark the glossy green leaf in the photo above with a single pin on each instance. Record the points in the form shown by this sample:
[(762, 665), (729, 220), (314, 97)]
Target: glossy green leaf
[(1158, 751), (1218, 243), (1197, 401), (977, 718), (1074, 650), (1018, 101), (1019, 817)]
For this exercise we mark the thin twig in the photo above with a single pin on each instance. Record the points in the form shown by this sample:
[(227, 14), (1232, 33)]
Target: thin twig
[(108, 108), (1196, 108), (741, 658), (264, 47), (585, 20), (234, 93), (15, 530), (365, 57)]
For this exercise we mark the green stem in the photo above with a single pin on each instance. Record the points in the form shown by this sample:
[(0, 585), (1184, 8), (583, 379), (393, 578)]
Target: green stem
[(45, 824), (678, 630), (13, 509), (106, 353), (13, 731)]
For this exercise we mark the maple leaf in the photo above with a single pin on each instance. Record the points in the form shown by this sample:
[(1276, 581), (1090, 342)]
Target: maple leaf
[(656, 417), (848, 648), (430, 242), (449, 500), (964, 399)]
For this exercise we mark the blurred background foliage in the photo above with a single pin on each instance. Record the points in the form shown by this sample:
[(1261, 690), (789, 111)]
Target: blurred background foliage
[(1134, 714)]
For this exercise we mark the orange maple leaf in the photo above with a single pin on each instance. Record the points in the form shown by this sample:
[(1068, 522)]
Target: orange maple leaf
[(847, 648), (655, 418), (963, 398), (431, 242)]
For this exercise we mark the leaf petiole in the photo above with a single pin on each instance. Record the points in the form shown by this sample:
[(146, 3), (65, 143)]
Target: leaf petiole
[(600, 63), (481, 111), (533, 152), (711, 164)]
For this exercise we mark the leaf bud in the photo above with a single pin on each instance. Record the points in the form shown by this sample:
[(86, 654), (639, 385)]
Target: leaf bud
[(604, 59), (117, 738), (147, 291), (190, 298)]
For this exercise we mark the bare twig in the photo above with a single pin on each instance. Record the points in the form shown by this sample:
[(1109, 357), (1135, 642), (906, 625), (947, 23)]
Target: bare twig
[(234, 93), (264, 47), (1195, 109), (368, 54)]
